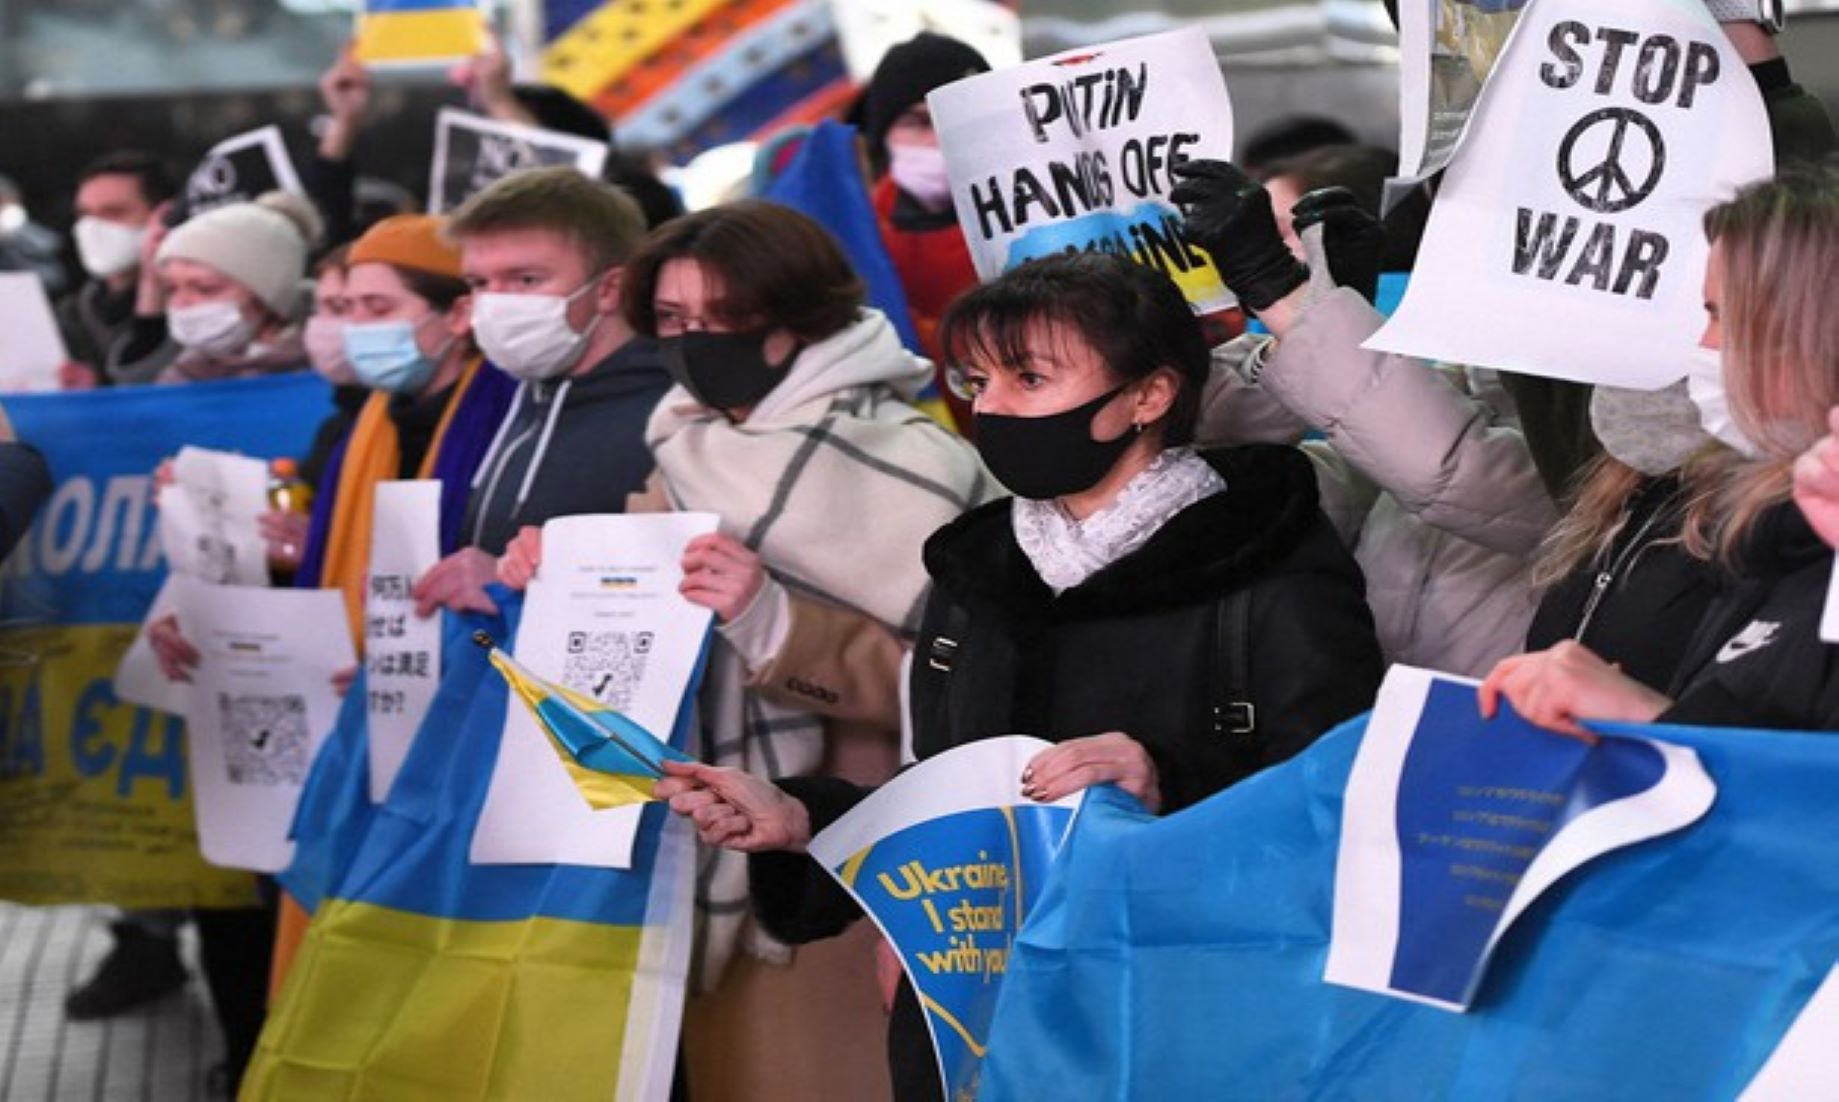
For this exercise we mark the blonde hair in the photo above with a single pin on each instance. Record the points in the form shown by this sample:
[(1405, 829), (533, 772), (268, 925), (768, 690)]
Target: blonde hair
[(1779, 243), (1598, 512)]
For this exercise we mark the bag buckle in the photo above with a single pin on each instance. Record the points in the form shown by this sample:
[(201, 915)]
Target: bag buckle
[(942, 654), (1237, 718)]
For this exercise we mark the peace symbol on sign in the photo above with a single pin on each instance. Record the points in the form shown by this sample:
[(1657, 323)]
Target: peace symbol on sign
[(1605, 185)]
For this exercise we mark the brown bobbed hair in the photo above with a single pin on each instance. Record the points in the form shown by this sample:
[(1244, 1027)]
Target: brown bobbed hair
[(773, 268)]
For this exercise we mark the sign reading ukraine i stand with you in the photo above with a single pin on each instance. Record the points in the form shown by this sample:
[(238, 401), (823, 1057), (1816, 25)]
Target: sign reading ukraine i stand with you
[(948, 860), (1565, 240), (1076, 153)]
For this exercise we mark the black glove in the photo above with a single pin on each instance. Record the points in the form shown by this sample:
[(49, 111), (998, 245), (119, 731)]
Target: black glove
[(1352, 239), (1229, 214)]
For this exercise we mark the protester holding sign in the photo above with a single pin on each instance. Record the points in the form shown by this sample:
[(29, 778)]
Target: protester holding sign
[(1174, 620), (544, 253), (1756, 658), (793, 407), (913, 202), (222, 295), (1422, 467)]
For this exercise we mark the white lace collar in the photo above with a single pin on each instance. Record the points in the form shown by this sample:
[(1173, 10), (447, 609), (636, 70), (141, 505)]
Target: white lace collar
[(1065, 552)]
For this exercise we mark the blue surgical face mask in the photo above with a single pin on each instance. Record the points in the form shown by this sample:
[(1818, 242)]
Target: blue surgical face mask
[(384, 356)]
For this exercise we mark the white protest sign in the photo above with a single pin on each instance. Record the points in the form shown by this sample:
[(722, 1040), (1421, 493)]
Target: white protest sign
[(402, 651), (1566, 239), (471, 153), (259, 705), (1076, 152), (604, 618), (31, 348), (868, 29), (207, 529), (238, 169)]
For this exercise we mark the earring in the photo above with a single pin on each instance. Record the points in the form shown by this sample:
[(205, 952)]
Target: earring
[(1137, 427)]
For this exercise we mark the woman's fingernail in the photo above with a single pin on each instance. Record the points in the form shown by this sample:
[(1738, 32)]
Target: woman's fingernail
[(1028, 774)]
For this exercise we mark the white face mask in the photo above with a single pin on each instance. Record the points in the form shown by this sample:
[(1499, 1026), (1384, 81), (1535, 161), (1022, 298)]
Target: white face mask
[(919, 170), (324, 337), (528, 336), (214, 328), (1706, 385), (107, 248)]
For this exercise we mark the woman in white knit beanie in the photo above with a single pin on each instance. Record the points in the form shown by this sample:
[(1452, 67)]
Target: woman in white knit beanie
[(230, 284)]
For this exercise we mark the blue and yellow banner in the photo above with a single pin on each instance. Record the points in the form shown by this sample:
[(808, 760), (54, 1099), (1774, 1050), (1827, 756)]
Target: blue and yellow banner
[(1183, 957), (419, 32), (95, 798), (423, 976), (948, 860)]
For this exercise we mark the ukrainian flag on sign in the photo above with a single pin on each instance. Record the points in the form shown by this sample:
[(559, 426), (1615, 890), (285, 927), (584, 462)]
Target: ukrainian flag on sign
[(418, 31), (423, 976), (612, 760)]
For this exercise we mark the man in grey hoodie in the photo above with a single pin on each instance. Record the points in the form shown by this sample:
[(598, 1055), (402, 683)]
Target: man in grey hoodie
[(544, 252)]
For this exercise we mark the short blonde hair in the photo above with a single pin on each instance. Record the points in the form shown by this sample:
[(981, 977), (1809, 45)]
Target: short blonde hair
[(601, 219)]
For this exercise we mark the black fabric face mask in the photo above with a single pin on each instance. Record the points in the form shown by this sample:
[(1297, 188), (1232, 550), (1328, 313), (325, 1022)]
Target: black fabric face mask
[(1047, 457), (723, 370)]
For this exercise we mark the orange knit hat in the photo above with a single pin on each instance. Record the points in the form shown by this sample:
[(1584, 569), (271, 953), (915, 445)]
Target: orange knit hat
[(412, 241)]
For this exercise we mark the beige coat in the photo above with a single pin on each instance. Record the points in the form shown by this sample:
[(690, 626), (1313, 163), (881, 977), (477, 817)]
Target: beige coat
[(1423, 470)]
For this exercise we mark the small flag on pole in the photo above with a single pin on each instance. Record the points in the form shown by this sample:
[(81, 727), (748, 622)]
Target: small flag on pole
[(419, 32), (611, 759)]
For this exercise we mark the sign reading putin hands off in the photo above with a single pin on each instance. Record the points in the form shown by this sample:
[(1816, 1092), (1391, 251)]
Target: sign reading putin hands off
[(1566, 240), (1077, 152)]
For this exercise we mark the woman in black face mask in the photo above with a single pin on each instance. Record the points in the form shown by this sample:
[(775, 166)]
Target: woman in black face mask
[(1173, 620)]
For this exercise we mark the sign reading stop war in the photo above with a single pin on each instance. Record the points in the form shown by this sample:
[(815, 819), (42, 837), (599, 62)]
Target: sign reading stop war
[(1075, 153), (471, 153), (1566, 240)]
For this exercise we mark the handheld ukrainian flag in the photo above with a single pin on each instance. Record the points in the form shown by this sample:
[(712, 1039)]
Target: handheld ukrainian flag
[(612, 760), (419, 32), (425, 978)]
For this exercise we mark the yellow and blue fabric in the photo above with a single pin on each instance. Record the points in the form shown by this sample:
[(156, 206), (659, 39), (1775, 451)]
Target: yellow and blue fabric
[(418, 31), (695, 74), (423, 976), (611, 759), (95, 794), (1182, 957)]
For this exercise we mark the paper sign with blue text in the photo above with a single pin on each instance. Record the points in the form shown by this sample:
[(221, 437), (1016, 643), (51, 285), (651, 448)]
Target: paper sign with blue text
[(1454, 824), (948, 859), (1076, 153), (1566, 239)]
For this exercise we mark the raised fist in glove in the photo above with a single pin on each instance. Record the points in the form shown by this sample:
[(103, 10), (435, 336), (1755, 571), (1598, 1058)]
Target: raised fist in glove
[(1352, 239), (1229, 214)]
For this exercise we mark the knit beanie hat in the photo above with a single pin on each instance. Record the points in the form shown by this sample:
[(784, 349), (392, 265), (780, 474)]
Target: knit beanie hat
[(412, 241), (907, 73), (262, 245)]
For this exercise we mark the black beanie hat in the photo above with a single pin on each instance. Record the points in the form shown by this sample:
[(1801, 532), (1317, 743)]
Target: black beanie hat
[(909, 71)]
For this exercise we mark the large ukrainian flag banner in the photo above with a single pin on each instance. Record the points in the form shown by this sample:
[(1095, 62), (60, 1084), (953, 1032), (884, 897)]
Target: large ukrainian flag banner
[(1183, 957), (423, 976), (95, 796), (414, 32)]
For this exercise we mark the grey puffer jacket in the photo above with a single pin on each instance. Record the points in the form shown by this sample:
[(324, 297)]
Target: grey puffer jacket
[(1422, 469)]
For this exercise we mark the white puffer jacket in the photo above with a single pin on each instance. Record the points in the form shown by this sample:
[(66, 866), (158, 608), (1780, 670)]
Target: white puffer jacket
[(1422, 469)]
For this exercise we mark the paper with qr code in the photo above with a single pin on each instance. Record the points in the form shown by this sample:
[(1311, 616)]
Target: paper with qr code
[(402, 651), (259, 704), (208, 530), (604, 618)]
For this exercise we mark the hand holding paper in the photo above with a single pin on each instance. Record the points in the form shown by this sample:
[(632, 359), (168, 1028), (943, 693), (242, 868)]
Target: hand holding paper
[(1077, 764), (1560, 687), (1816, 482)]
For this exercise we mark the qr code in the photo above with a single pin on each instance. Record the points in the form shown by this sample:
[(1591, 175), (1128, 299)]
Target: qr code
[(265, 738), (607, 665)]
